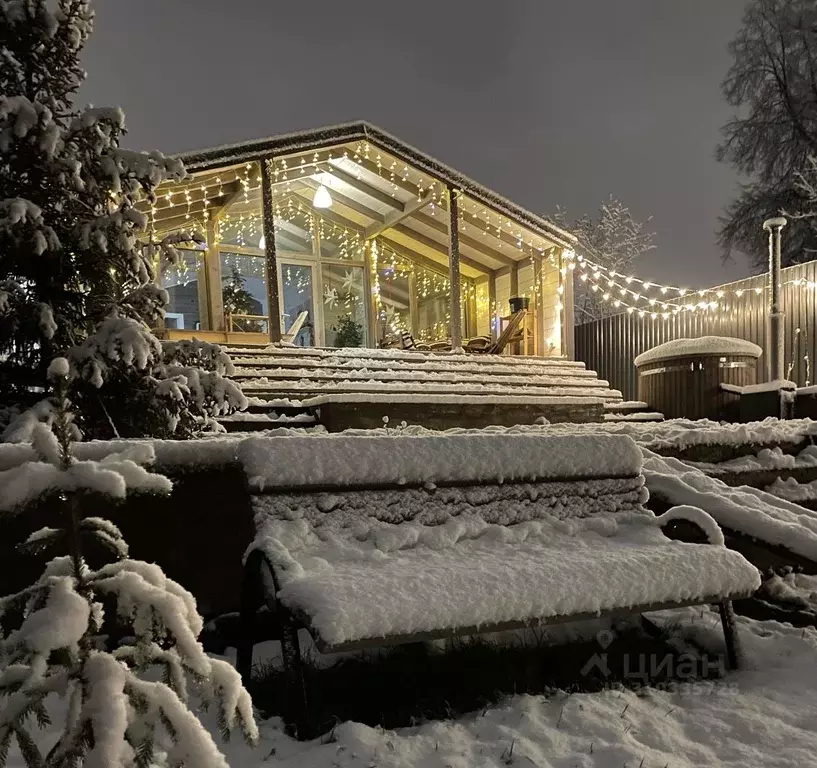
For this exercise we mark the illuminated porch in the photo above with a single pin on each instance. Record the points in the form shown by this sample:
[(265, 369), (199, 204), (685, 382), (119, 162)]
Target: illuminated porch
[(367, 236)]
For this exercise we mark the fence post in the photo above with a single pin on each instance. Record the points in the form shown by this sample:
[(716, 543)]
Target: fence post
[(776, 340)]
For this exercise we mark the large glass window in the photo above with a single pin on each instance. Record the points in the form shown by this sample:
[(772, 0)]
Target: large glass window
[(294, 228), (181, 281), (412, 298), (244, 292), (344, 306), (339, 242), (297, 297)]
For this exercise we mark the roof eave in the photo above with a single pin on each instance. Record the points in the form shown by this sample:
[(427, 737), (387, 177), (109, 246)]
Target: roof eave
[(208, 159)]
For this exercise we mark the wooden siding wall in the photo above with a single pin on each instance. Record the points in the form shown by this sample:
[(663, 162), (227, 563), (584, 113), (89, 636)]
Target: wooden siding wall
[(608, 346)]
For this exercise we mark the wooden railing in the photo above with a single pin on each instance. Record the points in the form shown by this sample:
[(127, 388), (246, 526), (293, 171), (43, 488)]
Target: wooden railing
[(246, 323)]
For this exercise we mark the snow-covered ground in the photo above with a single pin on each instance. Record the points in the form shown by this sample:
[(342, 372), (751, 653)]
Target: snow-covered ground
[(764, 716)]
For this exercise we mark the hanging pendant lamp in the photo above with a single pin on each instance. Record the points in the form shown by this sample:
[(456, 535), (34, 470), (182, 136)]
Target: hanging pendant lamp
[(322, 198)]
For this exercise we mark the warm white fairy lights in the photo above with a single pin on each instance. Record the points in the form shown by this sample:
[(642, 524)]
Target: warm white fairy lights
[(632, 294), (625, 292)]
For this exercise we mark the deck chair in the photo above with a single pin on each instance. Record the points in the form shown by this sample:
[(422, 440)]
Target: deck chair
[(507, 336), (290, 336)]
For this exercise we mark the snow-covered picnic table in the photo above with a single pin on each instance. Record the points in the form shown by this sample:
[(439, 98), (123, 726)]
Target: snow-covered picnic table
[(381, 540)]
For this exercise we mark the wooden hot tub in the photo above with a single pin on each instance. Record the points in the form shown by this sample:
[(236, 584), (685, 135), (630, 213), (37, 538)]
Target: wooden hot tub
[(682, 378)]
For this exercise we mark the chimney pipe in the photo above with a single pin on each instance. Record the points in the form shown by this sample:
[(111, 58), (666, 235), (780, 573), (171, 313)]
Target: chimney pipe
[(774, 362)]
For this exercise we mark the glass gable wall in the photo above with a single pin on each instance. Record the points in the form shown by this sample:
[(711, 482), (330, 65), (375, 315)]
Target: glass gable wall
[(361, 252)]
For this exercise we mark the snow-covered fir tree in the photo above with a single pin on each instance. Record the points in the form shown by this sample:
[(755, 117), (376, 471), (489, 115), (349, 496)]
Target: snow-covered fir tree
[(613, 240), (127, 706), (76, 270)]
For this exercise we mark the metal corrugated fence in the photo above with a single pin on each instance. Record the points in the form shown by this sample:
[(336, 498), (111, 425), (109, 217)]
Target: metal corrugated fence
[(608, 346)]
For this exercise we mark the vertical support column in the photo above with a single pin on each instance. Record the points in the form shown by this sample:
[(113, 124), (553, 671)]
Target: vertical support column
[(372, 255), (271, 255), (513, 286), (493, 309), (568, 332), (203, 294), (538, 306), (454, 268), (776, 338), (414, 305), (215, 301), (368, 283)]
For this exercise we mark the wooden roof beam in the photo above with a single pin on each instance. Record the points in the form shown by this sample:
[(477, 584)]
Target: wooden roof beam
[(434, 223), (478, 223), (433, 245), (418, 258), (333, 216), (347, 202), (399, 181), (409, 209), (366, 189)]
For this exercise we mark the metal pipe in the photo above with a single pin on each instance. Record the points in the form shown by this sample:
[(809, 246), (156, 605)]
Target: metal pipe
[(774, 365)]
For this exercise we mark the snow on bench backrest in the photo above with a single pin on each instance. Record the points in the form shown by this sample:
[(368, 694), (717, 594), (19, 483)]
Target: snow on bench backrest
[(380, 461), (343, 482)]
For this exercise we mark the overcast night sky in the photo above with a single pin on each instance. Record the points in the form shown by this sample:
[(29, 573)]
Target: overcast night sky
[(551, 103)]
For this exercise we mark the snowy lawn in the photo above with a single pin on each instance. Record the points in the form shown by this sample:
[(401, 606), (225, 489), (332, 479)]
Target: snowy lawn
[(762, 717)]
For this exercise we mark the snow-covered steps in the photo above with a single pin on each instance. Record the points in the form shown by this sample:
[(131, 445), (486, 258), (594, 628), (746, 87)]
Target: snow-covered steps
[(445, 390), (629, 410), (351, 353), (350, 388), (307, 387), (269, 413), (250, 422)]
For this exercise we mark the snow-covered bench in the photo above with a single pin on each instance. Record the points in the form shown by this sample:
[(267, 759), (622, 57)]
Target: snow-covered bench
[(381, 540)]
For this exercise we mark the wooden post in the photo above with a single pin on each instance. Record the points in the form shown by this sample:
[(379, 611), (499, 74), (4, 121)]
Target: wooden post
[(203, 294), (372, 267), (213, 269), (568, 333), (454, 269), (273, 307), (539, 306), (414, 305), (513, 286), (368, 298), (493, 329)]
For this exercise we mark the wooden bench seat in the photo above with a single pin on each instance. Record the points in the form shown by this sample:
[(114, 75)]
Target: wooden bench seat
[(376, 540)]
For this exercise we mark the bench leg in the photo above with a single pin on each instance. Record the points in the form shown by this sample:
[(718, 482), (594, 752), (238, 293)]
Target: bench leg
[(730, 634), (252, 598), (293, 676)]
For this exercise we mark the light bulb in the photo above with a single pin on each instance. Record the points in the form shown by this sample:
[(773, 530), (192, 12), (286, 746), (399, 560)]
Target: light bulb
[(322, 198)]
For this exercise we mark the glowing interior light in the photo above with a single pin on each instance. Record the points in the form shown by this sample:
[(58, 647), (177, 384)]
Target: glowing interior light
[(322, 198)]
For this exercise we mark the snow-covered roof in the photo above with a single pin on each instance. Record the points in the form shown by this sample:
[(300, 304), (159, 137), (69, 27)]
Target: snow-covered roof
[(705, 345), (320, 138)]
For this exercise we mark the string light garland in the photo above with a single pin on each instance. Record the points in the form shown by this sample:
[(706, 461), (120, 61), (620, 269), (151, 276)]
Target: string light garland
[(656, 299)]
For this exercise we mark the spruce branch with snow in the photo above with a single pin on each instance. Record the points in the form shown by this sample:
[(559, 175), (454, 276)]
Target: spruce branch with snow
[(614, 240), (118, 714), (77, 271)]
